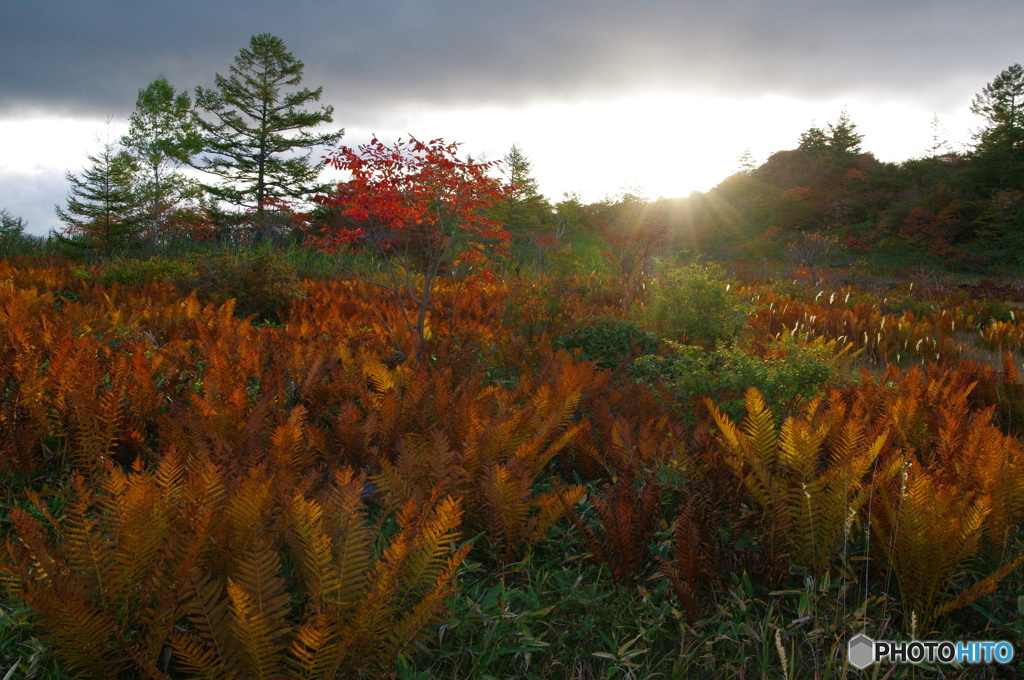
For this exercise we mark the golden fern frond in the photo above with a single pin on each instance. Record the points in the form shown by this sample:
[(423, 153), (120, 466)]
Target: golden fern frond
[(314, 653), (393, 486), (316, 561), (377, 374), (143, 523), (538, 460), (258, 572), (170, 475), (413, 624), (247, 507), (759, 427), (287, 439), (979, 589), (207, 612), (352, 538), (551, 507), (926, 530), (809, 478), (81, 635), (86, 555), (799, 445), (435, 533), (257, 631), (729, 434), (503, 500), (197, 658), (206, 488)]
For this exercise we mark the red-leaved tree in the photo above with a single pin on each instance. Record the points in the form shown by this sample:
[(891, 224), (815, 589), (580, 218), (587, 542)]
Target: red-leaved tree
[(416, 206)]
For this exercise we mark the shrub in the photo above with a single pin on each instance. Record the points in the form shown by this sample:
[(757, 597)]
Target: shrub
[(695, 305), (788, 373), (13, 239), (609, 342), (128, 271), (262, 283)]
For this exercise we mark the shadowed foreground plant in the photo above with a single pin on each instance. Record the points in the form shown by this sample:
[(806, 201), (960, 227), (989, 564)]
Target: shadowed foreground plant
[(104, 595), (928, 530), (138, 573), (629, 518), (494, 454), (698, 564), (810, 478)]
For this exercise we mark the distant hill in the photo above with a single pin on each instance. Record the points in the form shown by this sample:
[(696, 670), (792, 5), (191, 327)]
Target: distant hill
[(936, 209)]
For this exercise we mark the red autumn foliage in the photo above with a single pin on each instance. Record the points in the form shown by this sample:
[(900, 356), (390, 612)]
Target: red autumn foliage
[(413, 195), (416, 204)]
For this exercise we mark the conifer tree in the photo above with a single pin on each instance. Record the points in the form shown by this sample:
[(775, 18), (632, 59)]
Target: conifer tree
[(102, 206), (940, 143), (746, 162), (999, 153), (525, 209), (813, 140), (843, 137), (257, 128)]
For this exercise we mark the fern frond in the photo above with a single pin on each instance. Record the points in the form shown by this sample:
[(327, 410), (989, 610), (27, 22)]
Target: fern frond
[(247, 507), (551, 507), (86, 555), (759, 426), (979, 589), (435, 533), (352, 539), (316, 559), (259, 573), (199, 659), (424, 612), (207, 612), (314, 653), (258, 633)]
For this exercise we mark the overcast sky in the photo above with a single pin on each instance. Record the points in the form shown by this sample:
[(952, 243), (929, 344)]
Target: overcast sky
[(602, 96)]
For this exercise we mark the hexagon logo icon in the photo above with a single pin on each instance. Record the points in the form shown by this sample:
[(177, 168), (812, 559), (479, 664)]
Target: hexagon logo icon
[(861, 651)]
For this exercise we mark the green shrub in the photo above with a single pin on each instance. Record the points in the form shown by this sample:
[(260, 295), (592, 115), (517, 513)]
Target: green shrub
[(128, 271), (262, 283), (695, 304), (609, 342), (898, 305), (787, 374)]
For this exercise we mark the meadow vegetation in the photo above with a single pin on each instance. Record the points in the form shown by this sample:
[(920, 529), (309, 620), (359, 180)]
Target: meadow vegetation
[(450, 430), (571, 485)]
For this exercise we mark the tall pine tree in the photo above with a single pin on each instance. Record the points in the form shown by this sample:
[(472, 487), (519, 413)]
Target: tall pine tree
[(256, 128), (999, 154)]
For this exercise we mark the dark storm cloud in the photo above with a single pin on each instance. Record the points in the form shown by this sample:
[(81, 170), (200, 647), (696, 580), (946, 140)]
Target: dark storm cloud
[(90, 58)]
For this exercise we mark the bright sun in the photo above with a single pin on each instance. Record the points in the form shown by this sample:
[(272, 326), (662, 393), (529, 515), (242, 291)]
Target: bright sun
[(651, 144)]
